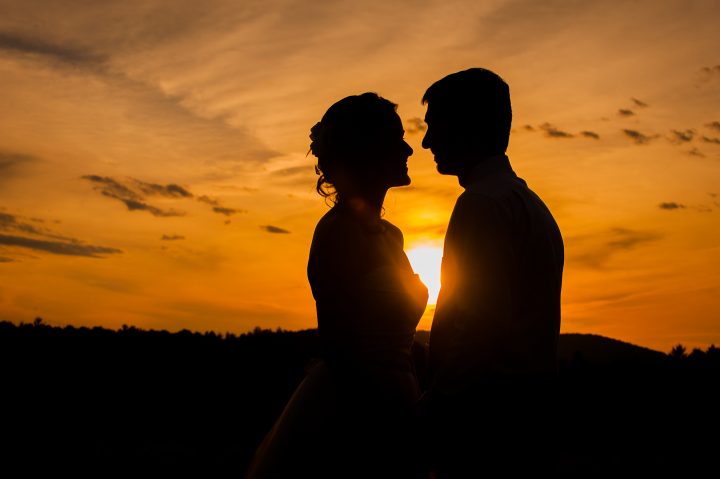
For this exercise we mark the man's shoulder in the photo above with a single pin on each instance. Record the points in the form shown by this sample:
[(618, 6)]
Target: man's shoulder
[(483, 200)]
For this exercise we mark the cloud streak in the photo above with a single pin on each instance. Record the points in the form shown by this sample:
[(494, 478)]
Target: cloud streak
[(13, 223), (12, 226), (594, 251), (74, 248), (111, 187), (11, 162), (671, 205), (639, 138), (682, 136), (553, 132), (714, 70), (639, 103), (590, 134), (274, 229), (226, 211), (169, 191), (58, 53), (133, 201), (415, 125), (136, 205), (133, 195), (218, 208), (625, 112), (15, 165)]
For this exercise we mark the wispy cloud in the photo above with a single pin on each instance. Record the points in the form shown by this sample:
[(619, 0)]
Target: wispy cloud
[(227, 211), (303, 170), (696, 152), (529, 127), (639, 138), (274, 229), (9, 222), (594, 251), (639, 103), (133, 200), (682, 136), (74, 248), (136, 205), (133, 193), (553, 132), (6, 260), (170, 191), (625, 112), (11, 163), (670, 205), (172, 237), (415, 125), (42, 239), (218, 208), (708, 139), (64, 54), (590, 134), (111, 187), (709, 75), (303, 175), (713, 70), (208, 200), (713, 125), (624, 238)]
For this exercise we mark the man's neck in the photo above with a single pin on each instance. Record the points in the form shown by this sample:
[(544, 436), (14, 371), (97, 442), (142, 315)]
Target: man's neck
[(478, 165)]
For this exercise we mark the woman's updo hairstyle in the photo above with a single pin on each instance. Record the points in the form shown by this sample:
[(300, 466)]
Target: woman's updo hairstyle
[(350, 130)]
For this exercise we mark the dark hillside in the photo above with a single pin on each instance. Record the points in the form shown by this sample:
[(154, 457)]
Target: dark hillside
[(102, 402)]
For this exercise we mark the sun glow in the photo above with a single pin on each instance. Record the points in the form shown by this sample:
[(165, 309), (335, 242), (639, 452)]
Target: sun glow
[(426, 261)]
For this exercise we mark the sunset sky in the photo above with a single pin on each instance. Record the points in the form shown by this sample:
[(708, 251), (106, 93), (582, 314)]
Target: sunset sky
[(154, 168)]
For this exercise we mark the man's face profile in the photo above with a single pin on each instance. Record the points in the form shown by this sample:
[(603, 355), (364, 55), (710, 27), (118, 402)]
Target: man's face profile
[(440, 139)]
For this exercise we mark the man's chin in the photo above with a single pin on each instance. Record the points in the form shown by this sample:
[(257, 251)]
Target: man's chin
[(445, 169)]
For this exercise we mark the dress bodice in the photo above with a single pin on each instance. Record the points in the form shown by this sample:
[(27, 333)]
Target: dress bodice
[(368, 299)]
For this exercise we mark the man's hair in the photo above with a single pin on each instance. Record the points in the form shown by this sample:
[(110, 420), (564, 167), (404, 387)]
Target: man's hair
[(478, 103)]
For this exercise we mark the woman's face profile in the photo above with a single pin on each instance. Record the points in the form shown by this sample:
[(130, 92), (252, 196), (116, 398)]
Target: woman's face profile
[(392, 155)]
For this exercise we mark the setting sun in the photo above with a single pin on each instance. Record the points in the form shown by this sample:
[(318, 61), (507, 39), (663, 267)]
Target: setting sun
[(426, 261)]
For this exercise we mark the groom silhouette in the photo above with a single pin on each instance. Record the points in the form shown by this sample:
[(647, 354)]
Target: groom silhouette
[(493, 342)]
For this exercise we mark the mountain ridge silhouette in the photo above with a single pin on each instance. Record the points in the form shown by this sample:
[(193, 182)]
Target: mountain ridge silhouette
[(94, 399)]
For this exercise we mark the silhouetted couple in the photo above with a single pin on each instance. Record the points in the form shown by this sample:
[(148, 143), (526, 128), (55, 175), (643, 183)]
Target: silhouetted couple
[(493, 343)]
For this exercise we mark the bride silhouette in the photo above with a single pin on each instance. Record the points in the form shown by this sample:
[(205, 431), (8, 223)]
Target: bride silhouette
[(352, 414)]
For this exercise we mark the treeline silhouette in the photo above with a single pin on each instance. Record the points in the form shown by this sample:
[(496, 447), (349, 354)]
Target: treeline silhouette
[(104, 402)]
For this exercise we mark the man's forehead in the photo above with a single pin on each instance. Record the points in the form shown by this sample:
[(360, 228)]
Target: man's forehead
[(430, 112), (435, 111)]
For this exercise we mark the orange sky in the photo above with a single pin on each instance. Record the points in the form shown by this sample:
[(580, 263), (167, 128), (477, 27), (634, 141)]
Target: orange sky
[(153, 167)]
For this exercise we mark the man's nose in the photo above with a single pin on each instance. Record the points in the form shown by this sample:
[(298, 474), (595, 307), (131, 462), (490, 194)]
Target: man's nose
[(408, 148), (426, 139)]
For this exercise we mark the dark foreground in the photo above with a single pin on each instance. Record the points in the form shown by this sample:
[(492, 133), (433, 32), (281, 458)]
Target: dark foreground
[(108, 403)]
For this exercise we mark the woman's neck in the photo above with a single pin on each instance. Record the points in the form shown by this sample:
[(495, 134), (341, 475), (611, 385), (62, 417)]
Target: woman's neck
[(368, 205)]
